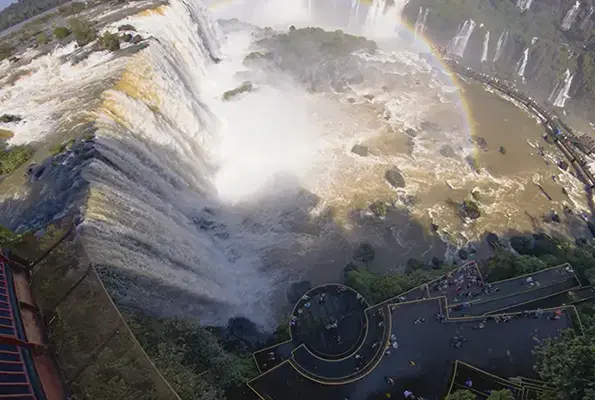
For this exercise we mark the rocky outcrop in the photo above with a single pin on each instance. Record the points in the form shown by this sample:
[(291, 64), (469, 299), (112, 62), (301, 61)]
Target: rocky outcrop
[(378, 208), (471, 209), (395, 178), (9, 118)]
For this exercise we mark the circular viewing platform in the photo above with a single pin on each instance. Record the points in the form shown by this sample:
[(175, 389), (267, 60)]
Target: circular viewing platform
[(330, 321)]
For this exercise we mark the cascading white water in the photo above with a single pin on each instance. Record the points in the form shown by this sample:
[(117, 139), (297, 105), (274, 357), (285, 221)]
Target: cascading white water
[(421, 21), (587, 18), (354, 14), (524, 5), (522, 64), (486, 43), (561, 91), (570, 16), (382, 19), (458, 44), (500, 44)]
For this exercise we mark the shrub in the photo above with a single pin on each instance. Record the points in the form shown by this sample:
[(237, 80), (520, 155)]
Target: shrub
[(378, 208), (109, 41), (42, 39), (61, 32), (6, 51), (14, 157), (83, 32), (71, 9), (461, 395)]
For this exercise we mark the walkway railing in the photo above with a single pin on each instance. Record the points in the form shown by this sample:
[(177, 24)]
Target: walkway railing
[(98, 354)]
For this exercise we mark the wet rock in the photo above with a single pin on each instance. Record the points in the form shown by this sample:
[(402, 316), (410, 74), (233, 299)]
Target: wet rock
[(471, 209), (243, 88), (434, 227), (447, 151), (552, 216), (395, 177), (437, 263), (563, 165), (9, 118), (564, 191), (476, 195), (463, 254), (369, 97), (127, 37), (364, 253), (126, 27), (360, 150), (480, 142), (493, 240), (567, 209), (502, 149), (591, 227), (137, 39), (296, 291)]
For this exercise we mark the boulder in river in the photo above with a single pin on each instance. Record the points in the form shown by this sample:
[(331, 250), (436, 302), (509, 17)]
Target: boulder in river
[(9, 118), (297, 290), (360, 150), (137, 39), (480, 142), (411, 132), (471, 209), (395, 177), (502, 149), (463, 254), (447, 151)]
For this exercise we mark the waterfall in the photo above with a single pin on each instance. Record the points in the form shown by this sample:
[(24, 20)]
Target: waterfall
[(383, 17), (420, 22), (354, 13), (522, 64), (486, 43), (587, 18), (500, 45), (570, 16), (559, 95), (524, 5), (458, 44)]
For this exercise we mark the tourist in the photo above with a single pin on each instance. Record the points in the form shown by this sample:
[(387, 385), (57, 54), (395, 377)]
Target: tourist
[(357, 356), (419, 321), (307, 305), (395, 345), (412, 363), (469, 383), (408, 394), (389, 380), (322, 299), (305, 297)]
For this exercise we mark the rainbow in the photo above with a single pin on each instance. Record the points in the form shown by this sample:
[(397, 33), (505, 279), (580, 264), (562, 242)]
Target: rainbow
[(423, 40)]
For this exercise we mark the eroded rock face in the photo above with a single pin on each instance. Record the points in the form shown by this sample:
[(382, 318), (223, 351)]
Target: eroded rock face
[(395, 177)]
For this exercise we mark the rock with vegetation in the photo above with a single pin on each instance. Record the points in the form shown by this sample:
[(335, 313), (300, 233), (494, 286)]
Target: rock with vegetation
[(476, 195), (243, 88), (471, 209), (126, 27), (62, 32), (137, 39), (461, 394), (6, 51), (502, 150), (127, 37), (480, 142), (83, 31), (109, 41), (6, 134), (493, 240), (62, 147), (395, 177), (9, 118), (360, 150), (447, 151), (378, 208)]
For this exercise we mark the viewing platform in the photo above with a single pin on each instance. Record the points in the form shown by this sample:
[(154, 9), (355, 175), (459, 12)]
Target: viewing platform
[(419, 341)]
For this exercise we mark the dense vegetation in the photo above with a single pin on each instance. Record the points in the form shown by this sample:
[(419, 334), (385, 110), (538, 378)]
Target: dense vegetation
[(25, 9), (468, 395), (192, 359)]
